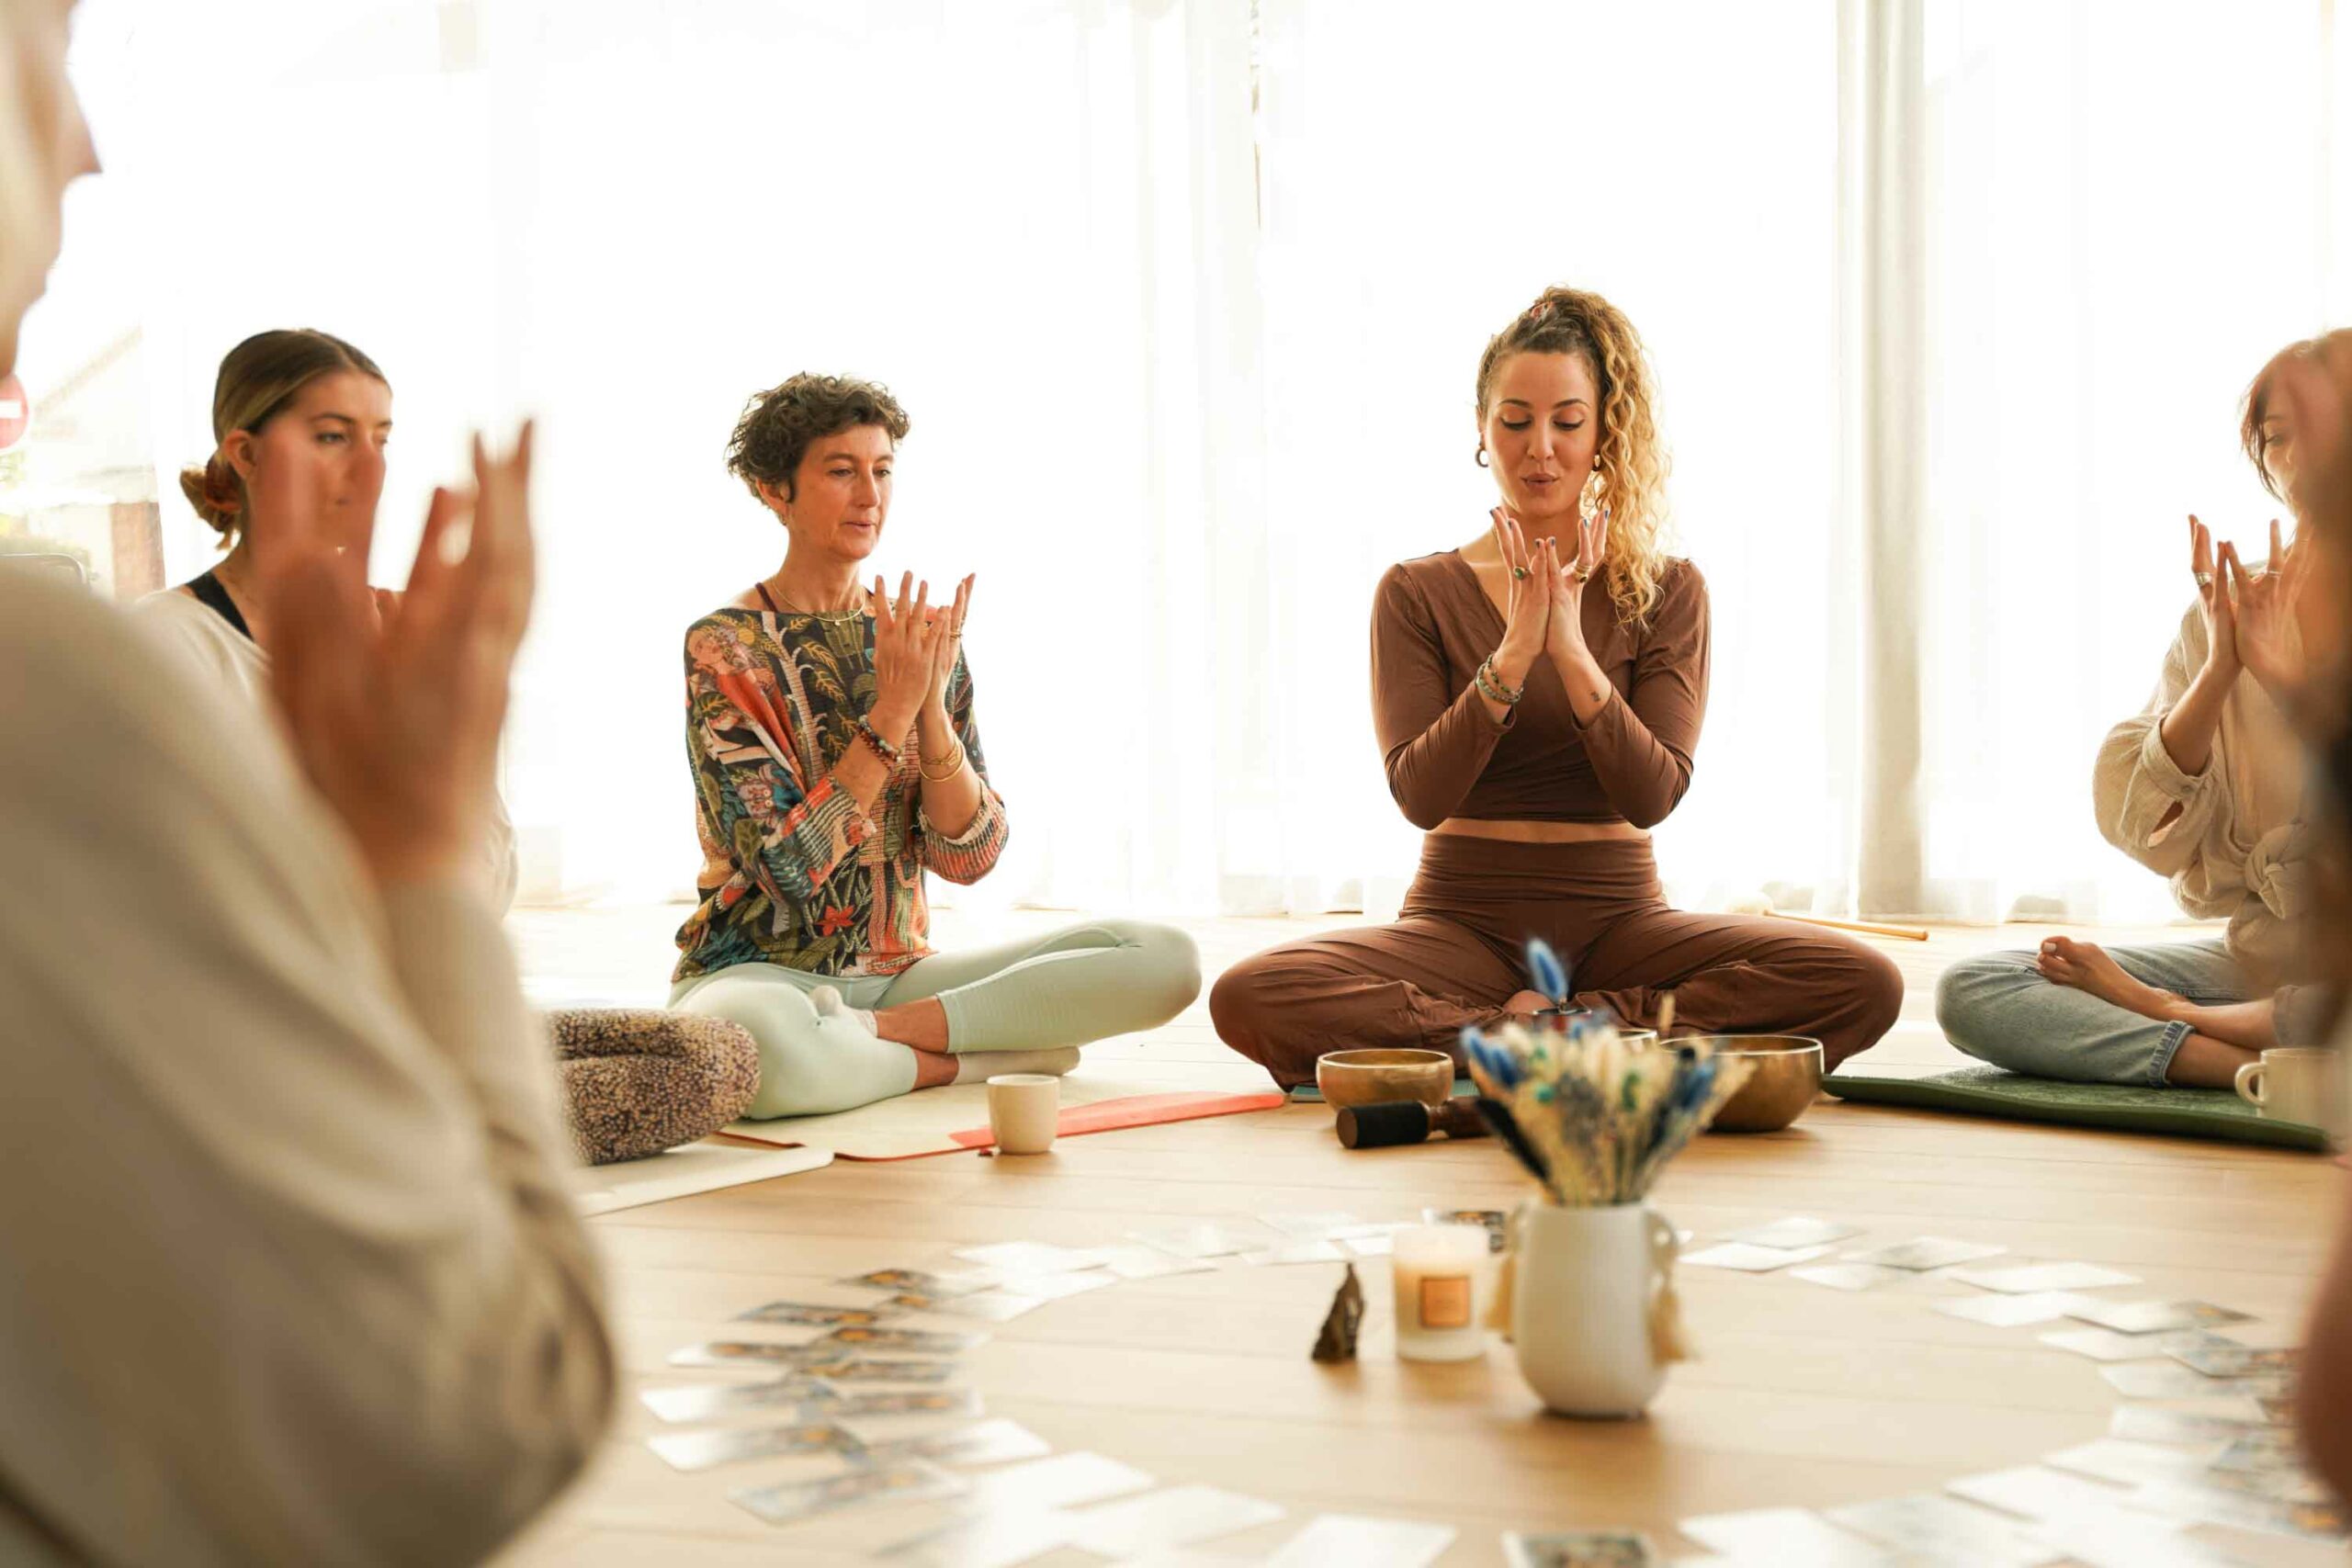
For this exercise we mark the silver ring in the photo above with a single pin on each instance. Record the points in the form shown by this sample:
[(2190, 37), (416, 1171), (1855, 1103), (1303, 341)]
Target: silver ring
[(2204, 578)]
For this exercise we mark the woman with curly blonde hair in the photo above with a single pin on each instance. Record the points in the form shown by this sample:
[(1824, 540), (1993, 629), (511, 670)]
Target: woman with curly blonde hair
[(1537, 729)]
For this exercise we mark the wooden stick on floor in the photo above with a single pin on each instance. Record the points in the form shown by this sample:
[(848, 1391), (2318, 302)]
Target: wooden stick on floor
[(1908, 933)]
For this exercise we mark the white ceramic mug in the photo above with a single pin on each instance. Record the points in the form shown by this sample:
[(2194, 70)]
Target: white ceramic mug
[(1590, 1303), (1024, 1112), (2297, 1083)]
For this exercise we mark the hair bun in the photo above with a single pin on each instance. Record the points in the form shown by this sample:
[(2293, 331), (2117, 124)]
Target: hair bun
[(215, 493)]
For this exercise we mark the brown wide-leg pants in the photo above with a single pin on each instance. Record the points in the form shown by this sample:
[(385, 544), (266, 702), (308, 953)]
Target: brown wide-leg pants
[(1455, 956)]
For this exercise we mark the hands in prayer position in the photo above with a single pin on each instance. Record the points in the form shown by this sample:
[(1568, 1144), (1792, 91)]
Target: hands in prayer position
[(907, 650), (2269, 639), (1547, 610), (394, 708)]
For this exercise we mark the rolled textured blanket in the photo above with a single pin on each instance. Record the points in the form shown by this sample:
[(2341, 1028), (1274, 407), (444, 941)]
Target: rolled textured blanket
[(637, 1081)]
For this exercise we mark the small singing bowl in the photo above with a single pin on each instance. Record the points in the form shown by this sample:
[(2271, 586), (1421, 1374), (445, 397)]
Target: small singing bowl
[(1784, 1077), (1370, 1077)]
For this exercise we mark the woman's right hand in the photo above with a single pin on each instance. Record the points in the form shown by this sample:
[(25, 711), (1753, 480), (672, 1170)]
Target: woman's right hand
[(2214, 597), (906, 644), (1532, 572)]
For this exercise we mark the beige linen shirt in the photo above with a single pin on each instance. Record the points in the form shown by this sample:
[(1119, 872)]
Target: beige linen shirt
[(2232, 838), (292, 1273)]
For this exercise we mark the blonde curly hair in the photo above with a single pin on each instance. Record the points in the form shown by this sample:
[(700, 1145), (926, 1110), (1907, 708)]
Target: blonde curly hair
[(1629, 459)]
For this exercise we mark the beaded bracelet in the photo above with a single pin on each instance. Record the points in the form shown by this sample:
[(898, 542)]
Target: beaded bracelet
[(872, 736), (1490, 685)]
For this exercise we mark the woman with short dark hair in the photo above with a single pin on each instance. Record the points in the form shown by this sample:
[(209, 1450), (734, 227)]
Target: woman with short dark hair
[(836, 761)]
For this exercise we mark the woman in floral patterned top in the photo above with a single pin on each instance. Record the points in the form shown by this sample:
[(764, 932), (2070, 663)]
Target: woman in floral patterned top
[(836, 760)]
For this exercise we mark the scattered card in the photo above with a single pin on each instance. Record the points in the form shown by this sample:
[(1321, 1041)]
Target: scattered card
[(913, 1341), (923, 1282), (1381, 1246), (817, 1317), (992, 1306), (991, 1540), (1136, 1261), (1852, 1276), (863, 1369), (2147, 1424), (2265, 1447), (1796, 1231), (1579, 1548), (1297, 1252), (999, 1441), (1176, 1517), (2126, 1463), (2154, 1317), (2170, 1379), (2241, 1510), (744, 1353), (731, 1445), (1065, 1480), (1924, 1252), (2219, 1358), (1355, 1541), (1054, 1287), (2106, 1345), (2042, 1278), (698, 1401), (1199, 1240), (2037, 1492), (1327, 1224), (1750, 1259), (2008, 1312), (903, 1402), (2113, 1540), (908, 1480), (1496, 1223), (1785, 1535), (1022, 1259), (1936, 1528)]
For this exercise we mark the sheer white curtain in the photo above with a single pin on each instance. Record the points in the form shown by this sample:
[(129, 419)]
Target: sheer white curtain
[(1185, 297)]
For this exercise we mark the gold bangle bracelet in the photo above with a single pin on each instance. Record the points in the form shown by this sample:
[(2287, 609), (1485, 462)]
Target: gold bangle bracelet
[(941, 778)]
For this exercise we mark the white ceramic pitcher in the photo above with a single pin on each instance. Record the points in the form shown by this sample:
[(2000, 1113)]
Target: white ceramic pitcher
[(1593, 1312)]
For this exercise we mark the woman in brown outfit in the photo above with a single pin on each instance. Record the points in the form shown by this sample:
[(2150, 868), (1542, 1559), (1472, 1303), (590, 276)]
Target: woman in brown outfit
[(1537, 729)]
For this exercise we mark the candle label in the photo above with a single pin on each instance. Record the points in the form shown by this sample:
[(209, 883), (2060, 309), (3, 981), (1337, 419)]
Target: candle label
[(1445, 1301)]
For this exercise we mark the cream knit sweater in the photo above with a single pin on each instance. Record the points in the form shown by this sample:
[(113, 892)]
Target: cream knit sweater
[(2232, 838)]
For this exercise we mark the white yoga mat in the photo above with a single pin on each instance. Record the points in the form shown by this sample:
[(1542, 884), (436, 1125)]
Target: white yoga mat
[(704, 1167)]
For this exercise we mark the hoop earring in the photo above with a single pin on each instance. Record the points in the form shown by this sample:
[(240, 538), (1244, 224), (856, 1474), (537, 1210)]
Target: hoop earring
[(1481, 458)]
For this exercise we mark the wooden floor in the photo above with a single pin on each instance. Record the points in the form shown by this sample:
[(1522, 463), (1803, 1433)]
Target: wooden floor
[(1803, 1395)]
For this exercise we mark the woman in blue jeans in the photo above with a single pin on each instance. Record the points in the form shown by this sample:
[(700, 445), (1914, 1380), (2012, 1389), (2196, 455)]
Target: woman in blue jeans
[(2204, 786)]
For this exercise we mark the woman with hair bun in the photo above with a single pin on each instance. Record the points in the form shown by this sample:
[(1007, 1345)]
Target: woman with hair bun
[(1538, 694), (302, 420)]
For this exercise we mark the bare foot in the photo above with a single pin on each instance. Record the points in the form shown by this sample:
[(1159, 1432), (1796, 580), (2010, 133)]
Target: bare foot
[(1527, 1004), (921, 1025), (2086, 967)]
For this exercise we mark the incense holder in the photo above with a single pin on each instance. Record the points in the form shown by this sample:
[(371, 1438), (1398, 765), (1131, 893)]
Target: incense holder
[(1594, 1317)]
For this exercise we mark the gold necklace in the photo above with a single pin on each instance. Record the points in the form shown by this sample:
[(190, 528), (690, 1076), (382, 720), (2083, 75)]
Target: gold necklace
[(865, 596)]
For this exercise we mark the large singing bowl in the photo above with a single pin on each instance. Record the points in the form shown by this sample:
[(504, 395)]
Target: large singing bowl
[(1784, 1077)]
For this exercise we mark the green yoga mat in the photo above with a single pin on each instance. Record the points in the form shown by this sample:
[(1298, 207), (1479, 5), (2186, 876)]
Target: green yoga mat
[(1989, 1091), (1306, 1093)]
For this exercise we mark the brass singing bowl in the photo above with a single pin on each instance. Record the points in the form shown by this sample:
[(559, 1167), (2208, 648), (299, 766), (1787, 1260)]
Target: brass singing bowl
[(1371, 1077), (1783, 1077)]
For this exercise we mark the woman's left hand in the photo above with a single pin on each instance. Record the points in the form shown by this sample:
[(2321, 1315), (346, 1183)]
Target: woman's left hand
[(943, 664), (2270, 643), (1564, 638)]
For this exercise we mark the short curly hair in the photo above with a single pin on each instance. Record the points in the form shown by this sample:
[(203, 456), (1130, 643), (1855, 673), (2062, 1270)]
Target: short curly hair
[(779, 424)]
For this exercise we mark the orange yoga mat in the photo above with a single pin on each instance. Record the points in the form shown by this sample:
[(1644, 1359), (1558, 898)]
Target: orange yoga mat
[(917, 1125)]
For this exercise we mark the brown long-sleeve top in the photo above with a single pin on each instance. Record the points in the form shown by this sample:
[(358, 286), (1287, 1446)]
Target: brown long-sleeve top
[(1433, 625)]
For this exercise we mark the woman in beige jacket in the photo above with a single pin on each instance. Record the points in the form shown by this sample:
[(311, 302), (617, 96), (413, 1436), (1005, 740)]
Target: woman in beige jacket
[(2205, 787)]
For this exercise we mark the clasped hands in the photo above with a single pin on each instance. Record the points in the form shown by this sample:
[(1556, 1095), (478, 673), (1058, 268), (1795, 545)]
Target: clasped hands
[(1546, 604), (2250, 617)]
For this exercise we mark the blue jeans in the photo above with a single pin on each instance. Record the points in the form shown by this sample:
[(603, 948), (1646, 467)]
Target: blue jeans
[(1999, 1010)]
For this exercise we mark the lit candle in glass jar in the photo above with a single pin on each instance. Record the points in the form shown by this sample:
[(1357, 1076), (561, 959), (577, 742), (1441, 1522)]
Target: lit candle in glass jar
[(1442, 1276)]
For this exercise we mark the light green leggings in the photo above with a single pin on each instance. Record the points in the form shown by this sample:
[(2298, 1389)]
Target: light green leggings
[(1081, 983)]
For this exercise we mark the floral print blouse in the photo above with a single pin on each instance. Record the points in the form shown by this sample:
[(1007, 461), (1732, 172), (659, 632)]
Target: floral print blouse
[(793, 872)]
